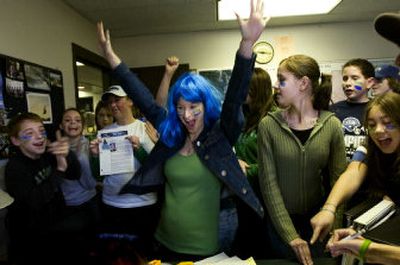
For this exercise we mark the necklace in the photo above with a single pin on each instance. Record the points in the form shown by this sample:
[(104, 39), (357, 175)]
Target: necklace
[(188, 148), (303, 123)]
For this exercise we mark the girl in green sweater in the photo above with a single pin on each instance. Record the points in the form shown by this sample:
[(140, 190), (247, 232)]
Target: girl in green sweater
[(300, 146)]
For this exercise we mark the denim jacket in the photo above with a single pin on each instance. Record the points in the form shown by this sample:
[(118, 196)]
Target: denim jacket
[(213, 146)]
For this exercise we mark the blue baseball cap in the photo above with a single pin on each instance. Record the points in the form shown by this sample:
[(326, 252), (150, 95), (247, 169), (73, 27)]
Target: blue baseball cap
[(387, 70)]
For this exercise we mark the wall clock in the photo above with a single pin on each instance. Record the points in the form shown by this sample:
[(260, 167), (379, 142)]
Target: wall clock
[(264, 52)]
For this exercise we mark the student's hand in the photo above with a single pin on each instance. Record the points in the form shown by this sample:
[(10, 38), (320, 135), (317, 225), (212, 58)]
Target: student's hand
[(337, 247), (60, 149), (252, 28), (151, 132), (300, 247), (94, 146), (106, 47), (322, 224), (171, 64), (243, 165), (135, 141)]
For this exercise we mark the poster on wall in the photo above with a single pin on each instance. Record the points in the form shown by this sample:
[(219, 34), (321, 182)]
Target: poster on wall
[(15, 88), (26, 86), (4, 140), (37, 77), (55, 80), (41, 105), (14, 69), (218, 78)]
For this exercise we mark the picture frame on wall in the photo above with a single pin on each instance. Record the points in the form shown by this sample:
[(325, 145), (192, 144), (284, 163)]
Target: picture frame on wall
[(219, 78), (40, 104)]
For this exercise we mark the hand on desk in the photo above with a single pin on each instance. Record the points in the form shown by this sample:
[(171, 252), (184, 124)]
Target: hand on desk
[(300, 247)]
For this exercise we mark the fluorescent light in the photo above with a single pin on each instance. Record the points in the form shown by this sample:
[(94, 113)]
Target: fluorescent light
[(79, 63), (275, 8), (81, 87)]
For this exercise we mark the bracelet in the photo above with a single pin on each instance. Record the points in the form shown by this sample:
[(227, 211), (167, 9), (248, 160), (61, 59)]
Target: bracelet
[(328, 210), (364, 248)]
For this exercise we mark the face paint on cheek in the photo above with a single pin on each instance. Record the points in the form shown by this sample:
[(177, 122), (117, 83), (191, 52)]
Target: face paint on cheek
[(282, 83), (358, 86), (29, 137), (390, 126), (26, 137), (196, 112)]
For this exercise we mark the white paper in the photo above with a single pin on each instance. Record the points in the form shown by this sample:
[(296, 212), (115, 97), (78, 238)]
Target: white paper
[(115, 151), (223, 259)]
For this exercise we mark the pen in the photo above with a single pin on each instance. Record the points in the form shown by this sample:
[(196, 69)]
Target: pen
[(355, 235)]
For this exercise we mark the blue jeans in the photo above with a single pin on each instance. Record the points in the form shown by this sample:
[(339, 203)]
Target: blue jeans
[(228, 224)]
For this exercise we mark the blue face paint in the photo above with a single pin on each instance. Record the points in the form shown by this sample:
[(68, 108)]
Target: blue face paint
[(357, 87), (390, 126), (282, 83), (28, 137), (195, 111), (387, 127)]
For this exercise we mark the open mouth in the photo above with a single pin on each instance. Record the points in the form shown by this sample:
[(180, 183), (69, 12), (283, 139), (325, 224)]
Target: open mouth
[(190, 124), (39, 144), (385, 142)]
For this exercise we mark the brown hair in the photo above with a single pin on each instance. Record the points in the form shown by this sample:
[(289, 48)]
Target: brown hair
[(366, 68), (14, 125), (302, 65), (389, 103), (262, 101), (100, 105), (394, 84)]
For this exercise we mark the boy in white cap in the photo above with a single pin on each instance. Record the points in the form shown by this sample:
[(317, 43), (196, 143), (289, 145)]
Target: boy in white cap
[(127, 214)]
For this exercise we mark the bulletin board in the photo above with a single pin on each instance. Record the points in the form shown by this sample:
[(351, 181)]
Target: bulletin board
[(29, 87)]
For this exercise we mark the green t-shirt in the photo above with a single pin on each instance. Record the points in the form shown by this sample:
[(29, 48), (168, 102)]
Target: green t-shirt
[(189, 216)]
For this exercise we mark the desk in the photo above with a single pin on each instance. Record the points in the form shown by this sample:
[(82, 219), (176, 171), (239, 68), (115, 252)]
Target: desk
[(320, 261)]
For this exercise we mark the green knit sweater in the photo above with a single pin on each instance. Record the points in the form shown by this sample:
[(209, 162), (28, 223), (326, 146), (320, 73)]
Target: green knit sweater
[(291, 173)]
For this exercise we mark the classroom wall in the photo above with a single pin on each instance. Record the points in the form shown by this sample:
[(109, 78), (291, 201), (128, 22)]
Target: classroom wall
[(210, 50), (42, 31)]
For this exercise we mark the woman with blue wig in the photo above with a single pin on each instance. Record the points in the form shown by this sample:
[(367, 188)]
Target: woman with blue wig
[(193, 163)]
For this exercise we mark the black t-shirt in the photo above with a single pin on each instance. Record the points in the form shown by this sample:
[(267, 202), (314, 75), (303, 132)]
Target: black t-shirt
[(352, 117)]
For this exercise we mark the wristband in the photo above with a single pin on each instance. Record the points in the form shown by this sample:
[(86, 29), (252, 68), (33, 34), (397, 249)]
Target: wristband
[(328, 210), (364, 248)]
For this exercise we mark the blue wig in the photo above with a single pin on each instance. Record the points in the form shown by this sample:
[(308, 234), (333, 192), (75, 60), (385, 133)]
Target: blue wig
[(193, 88)]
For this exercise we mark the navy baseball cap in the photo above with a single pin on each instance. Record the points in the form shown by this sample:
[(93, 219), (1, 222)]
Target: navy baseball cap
[(387, 70)]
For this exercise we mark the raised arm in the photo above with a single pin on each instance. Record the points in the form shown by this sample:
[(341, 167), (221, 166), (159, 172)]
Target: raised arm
[(171, 64), (231, 115), (106, 47), (252, 28), (135, 88)]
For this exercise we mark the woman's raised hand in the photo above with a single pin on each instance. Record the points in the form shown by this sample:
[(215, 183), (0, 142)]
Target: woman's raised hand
[(252, 28), (105, 46)]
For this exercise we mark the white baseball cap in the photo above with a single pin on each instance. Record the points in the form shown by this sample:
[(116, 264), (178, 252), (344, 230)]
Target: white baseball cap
[(115, 90)]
